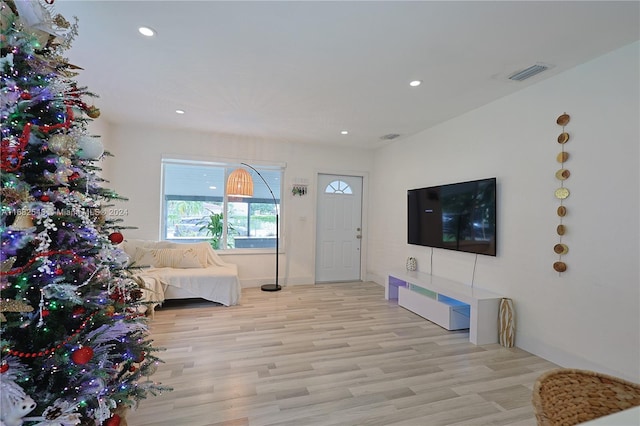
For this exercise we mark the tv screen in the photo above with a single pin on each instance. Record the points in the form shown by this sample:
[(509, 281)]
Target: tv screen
[(457, 216)]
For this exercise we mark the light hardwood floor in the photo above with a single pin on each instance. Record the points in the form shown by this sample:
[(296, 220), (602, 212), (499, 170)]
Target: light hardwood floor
[(332, 354)]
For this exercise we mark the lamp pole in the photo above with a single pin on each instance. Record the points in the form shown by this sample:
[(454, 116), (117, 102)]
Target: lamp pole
[(276, 286)]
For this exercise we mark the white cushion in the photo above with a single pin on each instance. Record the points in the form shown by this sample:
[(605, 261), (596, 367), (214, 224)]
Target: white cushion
[(168, 258), (202, 248), (130, 246)]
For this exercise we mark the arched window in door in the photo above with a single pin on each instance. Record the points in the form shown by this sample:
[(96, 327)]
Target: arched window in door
[(338, 187)]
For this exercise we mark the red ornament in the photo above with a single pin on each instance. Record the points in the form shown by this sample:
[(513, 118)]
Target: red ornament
[(82, 355), (116, 237), (45, 313), (74, 176), (45, 198), (79, 310), (117, 295), (4, 367), (25, 96), (132, 368), (59, 271), (113, 421)]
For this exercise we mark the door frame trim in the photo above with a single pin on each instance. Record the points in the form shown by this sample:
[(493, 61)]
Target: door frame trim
[(364, 213)]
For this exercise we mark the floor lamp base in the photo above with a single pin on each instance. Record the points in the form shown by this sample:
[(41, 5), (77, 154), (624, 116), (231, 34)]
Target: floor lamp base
[(271, 287)]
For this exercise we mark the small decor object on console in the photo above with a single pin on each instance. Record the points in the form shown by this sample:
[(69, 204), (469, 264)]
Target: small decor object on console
[(412, 264), (562, 193)]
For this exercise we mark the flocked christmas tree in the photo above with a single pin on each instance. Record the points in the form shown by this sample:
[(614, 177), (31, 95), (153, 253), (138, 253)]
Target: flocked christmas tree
[(74, 347)]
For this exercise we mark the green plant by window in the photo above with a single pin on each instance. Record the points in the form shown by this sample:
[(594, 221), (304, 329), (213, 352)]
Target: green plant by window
[(214, 226)]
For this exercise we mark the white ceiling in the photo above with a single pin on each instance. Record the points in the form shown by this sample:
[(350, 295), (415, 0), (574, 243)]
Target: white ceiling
[(303, 71)]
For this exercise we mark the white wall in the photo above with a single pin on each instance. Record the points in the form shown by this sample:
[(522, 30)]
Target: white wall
[(589, 316), (135, 170)]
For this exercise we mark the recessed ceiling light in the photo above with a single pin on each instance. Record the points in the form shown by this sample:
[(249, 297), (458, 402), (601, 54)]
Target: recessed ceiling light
[(179, 111), (344, 132), (415, 83), (146, 31)]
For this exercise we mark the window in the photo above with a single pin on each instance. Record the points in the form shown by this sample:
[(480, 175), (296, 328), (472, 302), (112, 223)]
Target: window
[(338, 187), (196, 208)]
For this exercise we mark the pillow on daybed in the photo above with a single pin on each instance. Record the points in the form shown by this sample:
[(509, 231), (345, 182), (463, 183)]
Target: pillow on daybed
[(168, 258), (206, 255)]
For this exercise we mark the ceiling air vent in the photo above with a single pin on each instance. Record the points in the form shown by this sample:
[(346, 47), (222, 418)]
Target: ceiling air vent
[(390, 136), (528, 72)]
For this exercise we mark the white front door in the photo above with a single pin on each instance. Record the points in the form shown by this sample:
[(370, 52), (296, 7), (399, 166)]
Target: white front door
[(338, 228)]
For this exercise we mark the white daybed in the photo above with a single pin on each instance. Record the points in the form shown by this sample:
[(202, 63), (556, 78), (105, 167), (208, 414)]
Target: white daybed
[(183, 270)]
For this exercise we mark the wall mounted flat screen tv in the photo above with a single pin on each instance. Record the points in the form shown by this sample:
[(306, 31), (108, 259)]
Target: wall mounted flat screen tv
[(458, 216)]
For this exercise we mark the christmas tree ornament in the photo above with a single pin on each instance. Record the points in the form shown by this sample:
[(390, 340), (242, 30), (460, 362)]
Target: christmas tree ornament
[(62, 173), (4, 367), (11, 196), (113, 421), (62, 144), (82, 355), (41, 308), (14, 403), (22, 221), (90, 148), (12, 150), (136, 294), (93, 112), (116, 237), (7, 264), (13, 306), (61, 413)]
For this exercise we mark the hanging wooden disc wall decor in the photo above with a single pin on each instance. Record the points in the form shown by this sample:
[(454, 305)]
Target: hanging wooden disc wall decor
[(562, 193)]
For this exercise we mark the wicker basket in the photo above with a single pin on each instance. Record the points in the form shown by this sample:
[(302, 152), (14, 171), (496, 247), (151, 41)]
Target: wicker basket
[(566, 397)]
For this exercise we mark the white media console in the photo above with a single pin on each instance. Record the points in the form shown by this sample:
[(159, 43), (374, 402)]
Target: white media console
[(450, 304)]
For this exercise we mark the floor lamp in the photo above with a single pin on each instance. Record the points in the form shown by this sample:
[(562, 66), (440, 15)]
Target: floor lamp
[(240, 184)]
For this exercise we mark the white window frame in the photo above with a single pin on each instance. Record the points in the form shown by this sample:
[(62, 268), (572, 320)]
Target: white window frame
[(229, 165)]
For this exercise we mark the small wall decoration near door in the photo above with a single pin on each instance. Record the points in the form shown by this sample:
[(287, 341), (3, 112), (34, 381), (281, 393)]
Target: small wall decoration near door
[(299, 189), (562, 193), (299, 186)]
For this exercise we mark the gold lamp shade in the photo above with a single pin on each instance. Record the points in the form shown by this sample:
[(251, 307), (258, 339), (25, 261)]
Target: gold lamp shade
[(240, 184)]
